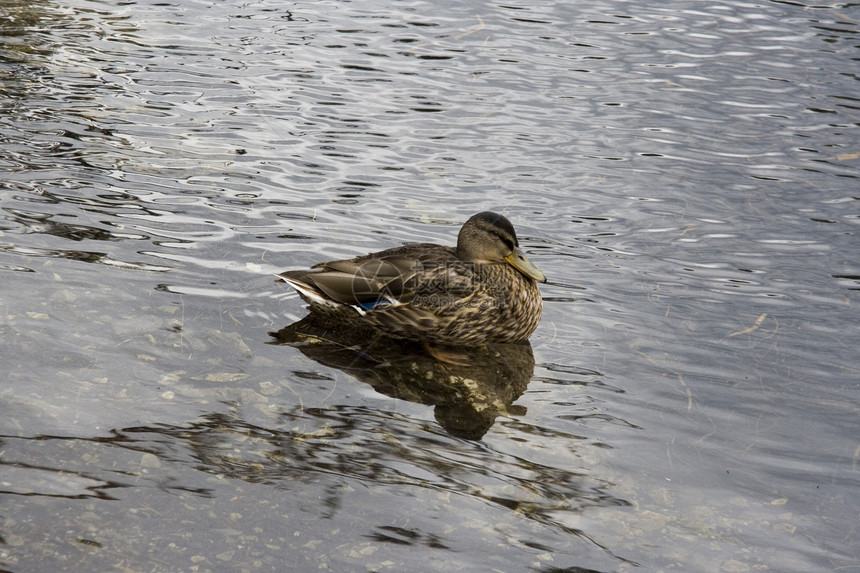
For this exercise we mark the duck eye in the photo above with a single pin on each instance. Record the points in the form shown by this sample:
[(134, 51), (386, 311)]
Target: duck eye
[(504, 239)]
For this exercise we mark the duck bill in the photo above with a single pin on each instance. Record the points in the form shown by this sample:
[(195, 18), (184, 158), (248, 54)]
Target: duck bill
[(519, 261)]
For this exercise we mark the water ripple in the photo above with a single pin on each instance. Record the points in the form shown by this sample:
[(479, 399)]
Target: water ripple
[(684, 173)]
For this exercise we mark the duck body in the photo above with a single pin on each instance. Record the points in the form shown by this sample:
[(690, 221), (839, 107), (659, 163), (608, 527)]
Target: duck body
[(483, 290)]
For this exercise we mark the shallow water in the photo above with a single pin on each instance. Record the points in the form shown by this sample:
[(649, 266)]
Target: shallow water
[(686, 175)]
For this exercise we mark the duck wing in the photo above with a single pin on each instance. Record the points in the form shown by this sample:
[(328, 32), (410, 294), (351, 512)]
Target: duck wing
[(393, 276), (364, 281)]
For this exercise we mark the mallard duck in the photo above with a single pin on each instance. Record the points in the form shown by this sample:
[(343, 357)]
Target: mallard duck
[(483, 290)]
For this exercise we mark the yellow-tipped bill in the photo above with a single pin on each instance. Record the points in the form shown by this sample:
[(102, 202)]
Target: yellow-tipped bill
[(519, 261)]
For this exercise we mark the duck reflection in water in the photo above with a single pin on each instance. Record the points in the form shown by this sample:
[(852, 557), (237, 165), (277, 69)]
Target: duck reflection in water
[(467, 398)]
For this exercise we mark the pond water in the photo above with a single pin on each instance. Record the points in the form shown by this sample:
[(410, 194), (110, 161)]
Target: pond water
[(685, 173)]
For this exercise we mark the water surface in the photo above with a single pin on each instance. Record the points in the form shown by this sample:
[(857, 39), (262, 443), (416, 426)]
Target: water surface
[(686, 174)]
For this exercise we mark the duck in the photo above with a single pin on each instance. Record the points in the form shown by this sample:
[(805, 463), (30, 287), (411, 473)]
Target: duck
[(482, 291)]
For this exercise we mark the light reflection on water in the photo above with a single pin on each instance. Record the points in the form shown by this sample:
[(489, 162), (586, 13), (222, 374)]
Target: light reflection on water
[(685, 175)]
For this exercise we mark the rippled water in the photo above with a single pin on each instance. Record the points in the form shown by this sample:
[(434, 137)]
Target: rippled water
[(685, 173)]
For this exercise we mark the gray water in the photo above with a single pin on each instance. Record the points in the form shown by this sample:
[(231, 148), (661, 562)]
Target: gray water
[(685, 173)]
